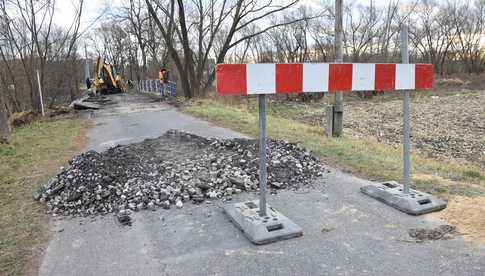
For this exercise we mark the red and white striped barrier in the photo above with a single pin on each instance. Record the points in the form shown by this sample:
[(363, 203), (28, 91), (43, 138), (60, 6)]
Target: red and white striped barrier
[(280, 78)]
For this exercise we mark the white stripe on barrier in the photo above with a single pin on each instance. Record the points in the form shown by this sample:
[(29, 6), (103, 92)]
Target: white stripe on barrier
[(405, 77), (363, 76), (260, 78), (315, 77)]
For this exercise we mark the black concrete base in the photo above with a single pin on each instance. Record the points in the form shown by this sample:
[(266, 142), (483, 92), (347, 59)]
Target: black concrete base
[(261, 230), (414, 203)]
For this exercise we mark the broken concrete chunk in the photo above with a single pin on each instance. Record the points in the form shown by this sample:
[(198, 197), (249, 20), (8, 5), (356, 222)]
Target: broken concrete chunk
[(171, 170)]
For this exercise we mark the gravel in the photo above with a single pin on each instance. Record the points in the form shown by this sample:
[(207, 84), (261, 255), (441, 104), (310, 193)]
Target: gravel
[(170, 171)]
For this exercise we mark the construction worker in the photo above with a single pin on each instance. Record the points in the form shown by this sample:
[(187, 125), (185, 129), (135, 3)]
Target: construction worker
[(161, 76), (166, 76)]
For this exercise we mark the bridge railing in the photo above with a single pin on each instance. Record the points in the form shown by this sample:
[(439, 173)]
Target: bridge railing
[(155, 87)]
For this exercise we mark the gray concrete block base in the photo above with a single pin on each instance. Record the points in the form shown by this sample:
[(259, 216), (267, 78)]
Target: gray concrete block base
[(414, 203), (261, 230)]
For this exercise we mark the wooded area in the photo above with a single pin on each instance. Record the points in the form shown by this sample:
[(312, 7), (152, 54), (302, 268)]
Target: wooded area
[(190, 37)]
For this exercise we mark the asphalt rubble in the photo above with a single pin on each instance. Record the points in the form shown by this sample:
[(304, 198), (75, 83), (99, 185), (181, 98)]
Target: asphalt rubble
[(92, 101), (170, 171), (441, 232)]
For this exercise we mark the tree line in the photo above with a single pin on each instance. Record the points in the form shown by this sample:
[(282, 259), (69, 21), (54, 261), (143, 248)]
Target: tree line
[(190, 36)]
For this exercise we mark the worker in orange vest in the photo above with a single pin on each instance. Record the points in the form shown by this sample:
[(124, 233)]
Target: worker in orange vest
[(161, 76)]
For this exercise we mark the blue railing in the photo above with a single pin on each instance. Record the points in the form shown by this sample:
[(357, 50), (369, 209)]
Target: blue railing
[(155, 87)]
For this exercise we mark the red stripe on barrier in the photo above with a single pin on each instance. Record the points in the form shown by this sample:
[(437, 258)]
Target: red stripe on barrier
[(340, 77), (385, 77), (424, 76), (289, 78), (231, 79)]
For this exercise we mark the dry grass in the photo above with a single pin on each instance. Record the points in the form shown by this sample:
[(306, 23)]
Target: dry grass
[(364, 157), (468, 215), (35, 153), (450, 82)]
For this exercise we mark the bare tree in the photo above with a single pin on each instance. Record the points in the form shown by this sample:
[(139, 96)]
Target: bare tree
[(433, 33), (138, 18), (197, 24), (30, 12), (4, 127), (31, 41), (193, 35), (469, 22), (291, 41)]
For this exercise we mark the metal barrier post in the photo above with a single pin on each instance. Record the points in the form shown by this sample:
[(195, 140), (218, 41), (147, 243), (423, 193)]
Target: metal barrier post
[(406, 142), (262, 155), (392, 193)]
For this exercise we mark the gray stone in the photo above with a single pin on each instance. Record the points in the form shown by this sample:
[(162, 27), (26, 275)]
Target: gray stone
[(166, 204), (238, 181), (141, 206)]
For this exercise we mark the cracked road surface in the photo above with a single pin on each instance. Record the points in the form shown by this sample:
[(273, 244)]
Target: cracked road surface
[(345, 232)]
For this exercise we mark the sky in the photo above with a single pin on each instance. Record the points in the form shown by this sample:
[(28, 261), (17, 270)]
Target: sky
[(94, 8)]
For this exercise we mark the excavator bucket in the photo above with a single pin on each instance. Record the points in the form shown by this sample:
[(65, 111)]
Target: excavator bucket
[(105, 80)]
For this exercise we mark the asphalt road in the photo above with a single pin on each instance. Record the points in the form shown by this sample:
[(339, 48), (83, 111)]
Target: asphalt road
[(345, 232)]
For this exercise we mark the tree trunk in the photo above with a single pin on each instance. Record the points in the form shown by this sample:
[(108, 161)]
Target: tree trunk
[(188, 92), (4, 127)]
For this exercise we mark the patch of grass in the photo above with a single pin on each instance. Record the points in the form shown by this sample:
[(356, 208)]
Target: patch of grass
[(363, 157), (473, 174), (35, 153)]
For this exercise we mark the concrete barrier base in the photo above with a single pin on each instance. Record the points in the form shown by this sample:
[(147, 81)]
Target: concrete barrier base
[(413, 203), (261, 230)]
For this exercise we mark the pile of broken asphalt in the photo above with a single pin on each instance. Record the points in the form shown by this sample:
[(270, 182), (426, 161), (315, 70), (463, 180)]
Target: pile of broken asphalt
[(172, 170)]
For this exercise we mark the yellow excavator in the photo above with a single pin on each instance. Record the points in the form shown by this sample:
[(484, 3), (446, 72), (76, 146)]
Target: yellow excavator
[(106, 81)]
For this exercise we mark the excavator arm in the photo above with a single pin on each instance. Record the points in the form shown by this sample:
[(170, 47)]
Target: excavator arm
[(105, 81)]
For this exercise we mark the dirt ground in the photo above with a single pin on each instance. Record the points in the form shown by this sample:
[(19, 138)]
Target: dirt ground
[(444, 127), (467, 214), (448, 124)]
